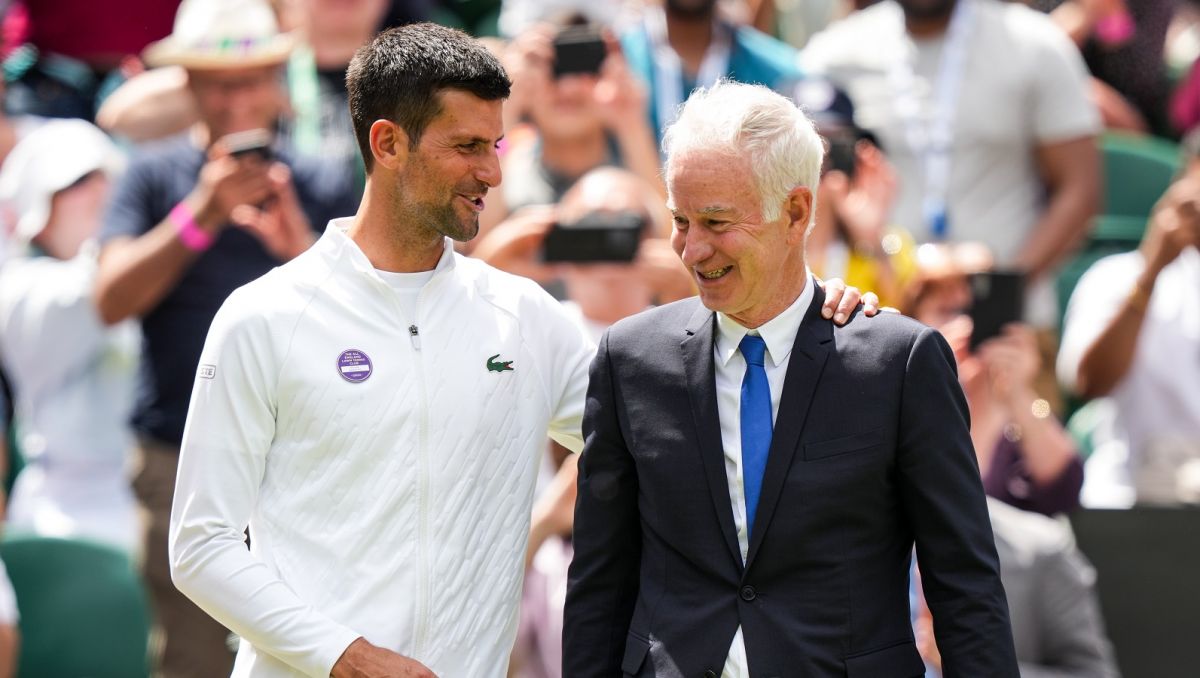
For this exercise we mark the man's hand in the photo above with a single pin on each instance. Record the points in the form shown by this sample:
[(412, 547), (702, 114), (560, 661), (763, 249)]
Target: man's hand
[(514, 244), (281, 225), (620, 97), (364, 660), (840, 301), (1174, 225), (660, 267), (226, 182), (1012, 361), (864, 204)]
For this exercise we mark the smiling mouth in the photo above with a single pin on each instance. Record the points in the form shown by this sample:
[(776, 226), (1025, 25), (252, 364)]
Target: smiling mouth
[(714, 274), (476, 201)]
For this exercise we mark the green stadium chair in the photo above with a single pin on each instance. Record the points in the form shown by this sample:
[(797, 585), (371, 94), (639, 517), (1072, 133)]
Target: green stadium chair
[(1137, 170), (84, 610)]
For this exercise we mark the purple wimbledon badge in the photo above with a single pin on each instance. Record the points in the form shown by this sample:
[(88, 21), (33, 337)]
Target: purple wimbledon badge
[(354, 366)]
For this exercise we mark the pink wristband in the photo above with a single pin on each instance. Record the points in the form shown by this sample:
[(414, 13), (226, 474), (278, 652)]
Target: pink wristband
[(1115, 28), (188, 230)]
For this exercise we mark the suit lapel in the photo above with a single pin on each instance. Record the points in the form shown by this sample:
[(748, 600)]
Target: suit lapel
[(804, 371), (699, 364)]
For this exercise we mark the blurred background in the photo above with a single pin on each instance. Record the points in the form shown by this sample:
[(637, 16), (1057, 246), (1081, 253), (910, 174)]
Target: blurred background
[(1022, 176)]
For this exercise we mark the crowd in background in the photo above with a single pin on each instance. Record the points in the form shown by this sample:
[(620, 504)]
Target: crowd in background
[(965, 141)]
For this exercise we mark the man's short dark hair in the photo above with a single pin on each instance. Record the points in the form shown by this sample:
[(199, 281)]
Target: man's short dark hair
[(398, 76)]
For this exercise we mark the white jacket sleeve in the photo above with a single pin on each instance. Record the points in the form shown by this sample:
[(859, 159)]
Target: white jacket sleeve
[(226, 442), (571, 351)]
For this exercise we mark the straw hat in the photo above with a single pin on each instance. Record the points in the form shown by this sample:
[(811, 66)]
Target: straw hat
[(214, 34), (49, 159)]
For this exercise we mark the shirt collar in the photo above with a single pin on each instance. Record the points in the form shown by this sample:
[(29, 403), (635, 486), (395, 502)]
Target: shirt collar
[(779, 332), (335, 240)]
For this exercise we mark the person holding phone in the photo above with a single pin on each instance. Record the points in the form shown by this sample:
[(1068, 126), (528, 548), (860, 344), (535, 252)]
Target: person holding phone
[(1027, 458), (575, 106), (1132, 334), (193, 218)]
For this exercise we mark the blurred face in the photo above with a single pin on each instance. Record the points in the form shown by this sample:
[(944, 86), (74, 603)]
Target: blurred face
[(345, 17), (607, 196), (691, 8), (236, 100), (945, 300), (744, 266), (567, 107), (927, 9), (75, 215), (446, 177)]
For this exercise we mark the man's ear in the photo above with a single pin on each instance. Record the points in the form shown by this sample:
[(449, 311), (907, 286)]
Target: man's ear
[(389, 144), (799, 210)]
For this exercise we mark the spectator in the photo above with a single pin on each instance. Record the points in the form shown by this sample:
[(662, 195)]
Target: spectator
[(983, 108), (157, 103), (1058, 629), (580, 121), (684, 44), (10, 636), (188, 224), (1123, 45), (73, 377), (853, 238), (1132, 333), (70, 51), (1027, 459)]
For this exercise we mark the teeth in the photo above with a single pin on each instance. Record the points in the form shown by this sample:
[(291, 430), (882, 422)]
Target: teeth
[(713, 275)]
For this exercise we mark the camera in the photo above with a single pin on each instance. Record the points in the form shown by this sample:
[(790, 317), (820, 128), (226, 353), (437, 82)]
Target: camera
[(596, 237), (578, 49)]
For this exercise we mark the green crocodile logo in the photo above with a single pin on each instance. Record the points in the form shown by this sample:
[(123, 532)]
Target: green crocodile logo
[(499, 366)]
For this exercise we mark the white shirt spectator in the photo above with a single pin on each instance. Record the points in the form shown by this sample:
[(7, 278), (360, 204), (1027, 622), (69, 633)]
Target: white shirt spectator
[(1157, 404), (1023, 84), (73, 384)]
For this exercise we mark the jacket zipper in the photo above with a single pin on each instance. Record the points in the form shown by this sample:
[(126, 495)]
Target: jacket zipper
[(424, 550)]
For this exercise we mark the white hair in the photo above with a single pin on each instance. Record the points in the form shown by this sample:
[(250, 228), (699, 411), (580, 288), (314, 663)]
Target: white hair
[(752, 121)]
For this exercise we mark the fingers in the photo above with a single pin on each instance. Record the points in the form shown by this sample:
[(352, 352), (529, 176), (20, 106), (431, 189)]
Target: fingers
[(834, 289), (870, 302)]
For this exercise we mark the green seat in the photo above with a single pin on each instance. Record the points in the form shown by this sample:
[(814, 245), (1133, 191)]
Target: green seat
[(1137, 170), (83, 609)]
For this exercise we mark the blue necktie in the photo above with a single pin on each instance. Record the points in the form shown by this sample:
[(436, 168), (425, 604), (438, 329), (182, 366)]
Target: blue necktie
[(756, 422)]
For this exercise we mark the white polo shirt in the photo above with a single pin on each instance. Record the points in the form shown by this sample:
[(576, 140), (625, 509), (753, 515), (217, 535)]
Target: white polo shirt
[(384, 461)]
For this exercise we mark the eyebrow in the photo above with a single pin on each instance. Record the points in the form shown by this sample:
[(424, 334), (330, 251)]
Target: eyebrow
[(712, 210), (476, 140)]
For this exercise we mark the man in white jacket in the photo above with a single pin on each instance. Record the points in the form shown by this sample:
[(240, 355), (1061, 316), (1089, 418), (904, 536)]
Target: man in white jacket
[(374, 410)]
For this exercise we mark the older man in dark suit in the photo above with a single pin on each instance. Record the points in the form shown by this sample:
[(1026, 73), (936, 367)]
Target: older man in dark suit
[(755, 477)]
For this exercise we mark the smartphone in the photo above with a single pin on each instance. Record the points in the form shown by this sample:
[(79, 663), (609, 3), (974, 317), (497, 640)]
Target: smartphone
[(597, 237), (578, 49), (251, 142), (997, 299)]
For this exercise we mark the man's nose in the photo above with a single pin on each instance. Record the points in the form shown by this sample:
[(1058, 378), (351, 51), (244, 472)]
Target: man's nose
[(695, 246), (488, 171)]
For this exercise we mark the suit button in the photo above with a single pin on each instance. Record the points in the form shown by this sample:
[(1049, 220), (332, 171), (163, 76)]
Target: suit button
[(710, 674), (748, 593)]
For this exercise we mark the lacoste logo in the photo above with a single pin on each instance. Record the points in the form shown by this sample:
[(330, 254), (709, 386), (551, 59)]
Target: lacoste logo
[(499, 366)]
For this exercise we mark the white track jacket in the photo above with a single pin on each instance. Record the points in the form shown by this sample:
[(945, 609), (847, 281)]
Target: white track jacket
[(384, 464)]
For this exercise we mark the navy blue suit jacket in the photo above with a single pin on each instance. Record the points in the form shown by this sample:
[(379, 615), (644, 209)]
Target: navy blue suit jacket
[(871, 453)]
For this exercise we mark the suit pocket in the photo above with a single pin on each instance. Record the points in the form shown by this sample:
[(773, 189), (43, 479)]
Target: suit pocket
[(832, 448), (901, 661), (636, 649)]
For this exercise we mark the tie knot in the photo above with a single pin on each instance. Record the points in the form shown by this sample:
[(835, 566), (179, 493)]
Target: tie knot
[(753, 349)]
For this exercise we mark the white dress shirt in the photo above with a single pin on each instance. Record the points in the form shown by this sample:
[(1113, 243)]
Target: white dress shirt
[(779, 333)]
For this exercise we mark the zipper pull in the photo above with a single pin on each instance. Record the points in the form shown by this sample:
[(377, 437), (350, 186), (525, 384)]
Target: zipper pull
[(415, 336)]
